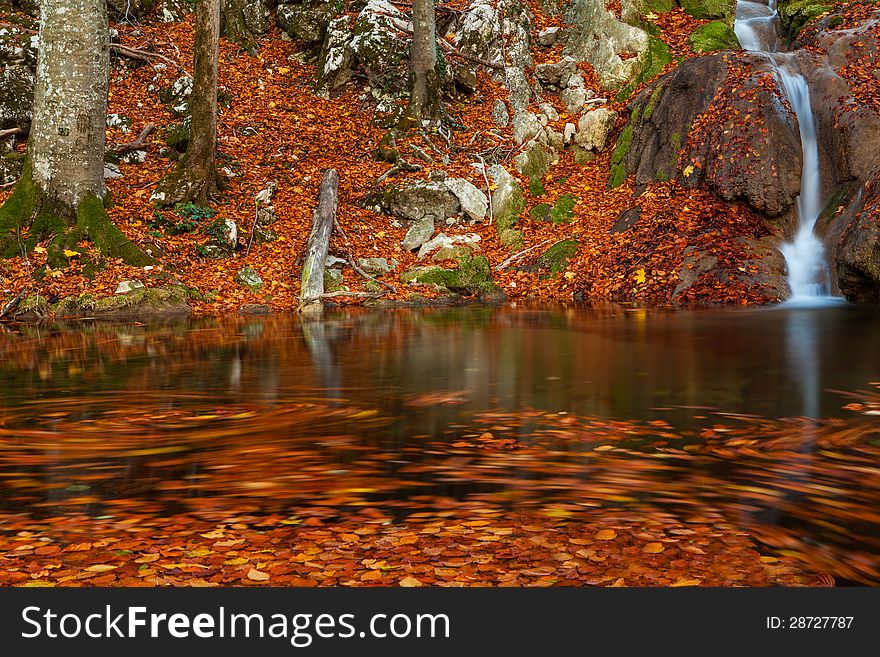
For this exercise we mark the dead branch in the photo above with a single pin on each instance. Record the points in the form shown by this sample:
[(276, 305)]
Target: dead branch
[(343, 293), (138, 144), (353, 265), (517, 256), (12, 305), (312, 289), (488, 189), (8, 133)]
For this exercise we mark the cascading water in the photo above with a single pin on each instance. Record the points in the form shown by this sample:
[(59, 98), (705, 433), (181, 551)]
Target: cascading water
[(757, 28)]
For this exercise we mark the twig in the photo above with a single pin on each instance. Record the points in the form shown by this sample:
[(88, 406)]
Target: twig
[(8, 133), (138, 144), (9, 307), (593, 101), (9, 184), (253, 228), (517, 256), (144, 55)]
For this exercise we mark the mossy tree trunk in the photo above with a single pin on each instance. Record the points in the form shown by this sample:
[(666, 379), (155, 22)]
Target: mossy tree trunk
[(234, 23), (195, 177), (61, 191)]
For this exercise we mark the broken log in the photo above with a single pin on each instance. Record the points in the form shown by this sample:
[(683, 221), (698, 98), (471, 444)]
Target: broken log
[(318, 246)]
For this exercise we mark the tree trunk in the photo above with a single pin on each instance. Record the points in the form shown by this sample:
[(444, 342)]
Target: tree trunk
[(425, 94), (312, 288), (195, 177), (240, 24), (61, 190)]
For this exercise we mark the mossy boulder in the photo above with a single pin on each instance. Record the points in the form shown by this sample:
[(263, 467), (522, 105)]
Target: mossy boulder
[(713, 36), (794, 15), (709, 9), (140, 303), (472, 276), (508, 203), (617, 172), (308, 21), (563, 209), (656, 57), (534, 165), (541, 212)]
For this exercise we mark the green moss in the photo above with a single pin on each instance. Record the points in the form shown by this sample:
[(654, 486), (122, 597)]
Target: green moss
[(557, 257), (709, 9), (178, 135), (617, 172), (506, 218), (537, 164), (652, 101), (146, 300), (655, 58), (563, 209), (675, 140), (713, 36), (92, 221), (794, 15), (541, 212), (472, 276)]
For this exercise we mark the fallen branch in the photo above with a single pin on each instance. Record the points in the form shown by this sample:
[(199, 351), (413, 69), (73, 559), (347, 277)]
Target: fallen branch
[(138, 144), (343, 293), (351, 262), (144, 56), (318, 246), (8, 133), (517, 256), (12, 305), (593, 101), (488, 189), (9, 184), (401, 165)]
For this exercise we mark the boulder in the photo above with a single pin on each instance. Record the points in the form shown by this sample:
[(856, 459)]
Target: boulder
[(248, 277), (691, 126), (594, 128), (334, 61), (377, 266), (418, 201), (508, 204), (18, 56), (419, 233), (548, 36), (307, 21), (500, 115), (556, 76), (473, 202), (446, 244), (126, 287), (534, 163), (176, 97)]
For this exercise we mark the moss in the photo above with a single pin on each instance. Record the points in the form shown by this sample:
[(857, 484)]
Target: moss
[(675, 140), (156, 300), (709, 9), (563, 209), (535, 166), (713, 36), (794, 15), (472, 275), (92, 221), (178, 135), (506, 218), (617, 172), (652, 101), (541, 212), (655, 58), (557, 257)]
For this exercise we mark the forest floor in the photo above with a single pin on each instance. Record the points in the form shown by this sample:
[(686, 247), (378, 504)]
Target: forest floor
[(274, 128)]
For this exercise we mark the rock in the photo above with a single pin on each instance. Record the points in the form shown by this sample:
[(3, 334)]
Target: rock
[(548, 36), (852, 243), (713, 36), (594, 128), (266, 195), (671, 135), (526, 126), (556, 75), (557, 257), (418, 201), (582, 155), (173, 11), (597, 36), (473, 202), (176, 97), (534, 164), (229, 236), (443, 241), (500, 115), (333, 261), (335, 59), (256, 16), (16, 96), (473, 276), (556, 142), (121, 123), (549, 112), (574, 98), (332, 280), (626, 220), (568, 132), (128, 286), (10, 167), (419, 233), (255, 309), (508, 204), (477, 34), (563, 210), (308, 20), (378, 48), (248, 277), (112, 171), (264, 235), (377, 266)]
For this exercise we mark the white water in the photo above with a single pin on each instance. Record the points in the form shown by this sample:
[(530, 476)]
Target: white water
[(756, 27)]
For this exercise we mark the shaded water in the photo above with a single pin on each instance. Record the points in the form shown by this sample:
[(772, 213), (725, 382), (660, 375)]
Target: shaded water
[(730, 410)]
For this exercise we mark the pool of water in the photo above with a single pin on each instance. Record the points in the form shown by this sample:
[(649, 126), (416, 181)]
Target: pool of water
[(767, 416)]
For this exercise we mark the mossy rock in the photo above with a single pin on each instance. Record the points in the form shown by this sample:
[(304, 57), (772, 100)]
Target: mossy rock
[(557, 257), (710, 37), (178, 135), (617, 172), (655, 58), (541, 212), (563, 209), (141, 303), (709, 9), (11, 165), (534, 164), (794, 15), (473, 276)]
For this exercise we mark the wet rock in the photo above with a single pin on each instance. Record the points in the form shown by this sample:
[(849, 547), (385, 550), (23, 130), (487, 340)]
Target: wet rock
[(756, 159), (852, 243), (594, 128), (248, 277), (255, 309), (128, 286), (473, 202)]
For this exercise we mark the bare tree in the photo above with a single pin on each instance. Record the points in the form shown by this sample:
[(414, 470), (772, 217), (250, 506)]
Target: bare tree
[(61, 191), (195, 177), (425, 87)]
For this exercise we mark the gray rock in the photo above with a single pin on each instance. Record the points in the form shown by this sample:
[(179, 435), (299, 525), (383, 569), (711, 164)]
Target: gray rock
[(16, 96), (526, 126), (177, 96), (421, 200), (556, 75), (121, 123), (573, 98), (377, 266), (473, 202), (500, 114), (443, 241), (307, 21), (333, 261), (594, 128), (332, 280), (248, 277), (519, 91), (334, 62), (10, 167), (111, 171), (548, 36), (549, 111), (568, 132), (129, 286), (419, 233)]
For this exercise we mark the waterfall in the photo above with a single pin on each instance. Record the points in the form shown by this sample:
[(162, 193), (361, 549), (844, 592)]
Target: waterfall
[(757, 28)]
